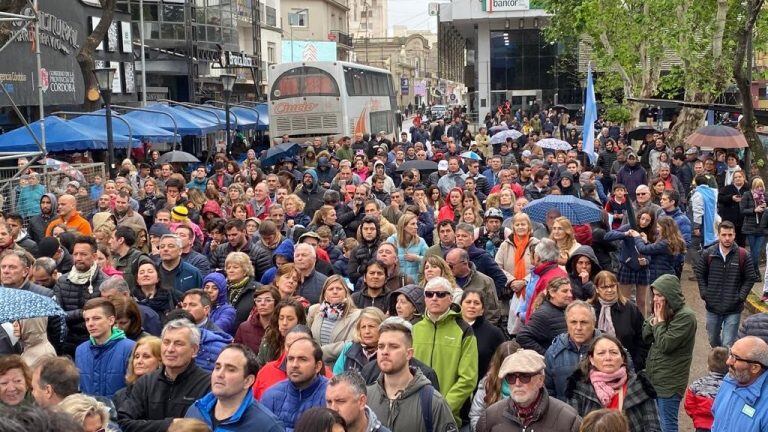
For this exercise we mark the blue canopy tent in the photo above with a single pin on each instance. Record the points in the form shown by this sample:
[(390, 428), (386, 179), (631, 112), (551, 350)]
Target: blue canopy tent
[(138, 129), (248, 116), (60, 136), (208, 114), (263, 110), (240, 120), (186, 123)]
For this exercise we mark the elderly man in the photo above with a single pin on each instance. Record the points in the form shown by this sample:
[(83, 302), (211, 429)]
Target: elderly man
[(468, 277), (346, 394), (305, 387), (69, 216), (304, 260), (43, 272), (643, 201), (230, 404), (453, 355), (742, 402), (529, 406), (563, 356), (116, 286), (387, 253), (483, 262), (176, 274), (162, 396)]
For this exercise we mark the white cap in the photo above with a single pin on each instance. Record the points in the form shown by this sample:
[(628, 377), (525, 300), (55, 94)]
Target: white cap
[(442, 165)]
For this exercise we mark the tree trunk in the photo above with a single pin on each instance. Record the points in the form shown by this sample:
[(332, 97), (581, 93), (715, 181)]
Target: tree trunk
[(85, 56), (741, 76), (634, 114)]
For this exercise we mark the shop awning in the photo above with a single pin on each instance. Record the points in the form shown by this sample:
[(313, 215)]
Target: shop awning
[(60, 136), (187, 124), (138, 129)]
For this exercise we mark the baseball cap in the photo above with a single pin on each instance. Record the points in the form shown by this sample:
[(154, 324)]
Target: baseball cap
[(692, 151), (309, 234), (442, 165), (522, 361)]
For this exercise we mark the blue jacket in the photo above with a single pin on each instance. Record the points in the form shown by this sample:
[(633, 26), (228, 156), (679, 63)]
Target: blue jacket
[(627, 250), (29, 200), (199, 185), (485, 264), (250, 416), (686, 228), (285, 250), (562, 358), (661, 259), (187, 278), (743, 409), (211, 344), (222, 313), (288, 403), (102, 367)]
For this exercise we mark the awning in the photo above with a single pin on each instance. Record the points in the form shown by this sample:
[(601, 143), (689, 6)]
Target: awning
[(60, 136), (188, 124), (138, 128)]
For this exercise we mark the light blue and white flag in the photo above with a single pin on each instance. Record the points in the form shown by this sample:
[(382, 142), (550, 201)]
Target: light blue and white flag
[(590, 117)]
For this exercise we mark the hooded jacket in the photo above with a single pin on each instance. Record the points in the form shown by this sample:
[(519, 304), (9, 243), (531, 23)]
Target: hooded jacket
[(287, 402), (251, 415), (570, 190), (404, 413), (198, 184), (582, 291), (671, 343), (415, 296), (102, 367), (313, 196), (211, 345), (389, 184), (34, 340), (449, 347), (285, 250), (545, 324), (222, 313), (632, 177), (39, 223)]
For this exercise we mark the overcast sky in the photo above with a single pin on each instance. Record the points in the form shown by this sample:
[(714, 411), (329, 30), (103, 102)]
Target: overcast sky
[(411, 13)]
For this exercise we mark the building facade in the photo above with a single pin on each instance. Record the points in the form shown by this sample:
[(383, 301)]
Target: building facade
[(315, 30), (368, 18)]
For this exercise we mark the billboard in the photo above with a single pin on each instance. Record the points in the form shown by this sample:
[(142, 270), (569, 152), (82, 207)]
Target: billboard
[(506, 5), (296, 51)]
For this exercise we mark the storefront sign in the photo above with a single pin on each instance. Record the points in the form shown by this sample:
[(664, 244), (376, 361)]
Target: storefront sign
[(505, 5), (239, 60), (404, 87)]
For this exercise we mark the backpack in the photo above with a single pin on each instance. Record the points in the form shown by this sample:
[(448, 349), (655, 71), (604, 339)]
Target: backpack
[(742, 259), (425, 399)]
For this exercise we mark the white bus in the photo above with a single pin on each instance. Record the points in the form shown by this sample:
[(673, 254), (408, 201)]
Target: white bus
[(330, 98)]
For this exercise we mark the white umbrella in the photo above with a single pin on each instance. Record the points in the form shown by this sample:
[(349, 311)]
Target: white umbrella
[(501, 137), (554, 144)]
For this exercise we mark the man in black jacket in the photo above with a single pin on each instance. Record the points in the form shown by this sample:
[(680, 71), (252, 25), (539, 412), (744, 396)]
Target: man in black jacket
[(38, 224), (237, 241), (161, 397), (726, 275)]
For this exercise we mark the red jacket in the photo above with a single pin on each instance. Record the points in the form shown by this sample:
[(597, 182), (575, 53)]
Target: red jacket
[(250, 332), (699, 409), (546, 271), (272, 373)]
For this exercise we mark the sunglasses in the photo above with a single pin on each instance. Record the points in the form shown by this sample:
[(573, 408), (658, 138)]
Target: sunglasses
[(523, 377), (438, 294)]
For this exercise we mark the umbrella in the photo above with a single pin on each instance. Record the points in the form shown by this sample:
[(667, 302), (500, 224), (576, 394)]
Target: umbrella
[(501, 137), (554, 144), (419, 165), (717, 136), (16, 304), (577, 210), (560, 107), (279, 152), (177, 156), (470, 155), (498, 128), (639, 133)]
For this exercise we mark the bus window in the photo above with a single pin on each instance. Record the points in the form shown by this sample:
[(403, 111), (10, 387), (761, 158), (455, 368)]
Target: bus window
[(304, 81)]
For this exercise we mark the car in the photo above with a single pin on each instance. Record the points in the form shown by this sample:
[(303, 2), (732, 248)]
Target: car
[(437, 112)]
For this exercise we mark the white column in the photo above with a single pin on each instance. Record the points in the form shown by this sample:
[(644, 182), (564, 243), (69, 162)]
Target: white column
[(483, 66)]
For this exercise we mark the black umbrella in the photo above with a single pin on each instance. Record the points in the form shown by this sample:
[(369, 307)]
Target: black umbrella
[(177, 156), (420, 165), (639, 133)]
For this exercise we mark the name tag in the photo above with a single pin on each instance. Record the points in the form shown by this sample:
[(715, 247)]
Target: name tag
[(748, 411)]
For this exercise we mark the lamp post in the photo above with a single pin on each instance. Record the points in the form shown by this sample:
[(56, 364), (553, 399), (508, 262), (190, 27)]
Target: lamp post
[(297, 13), (104, 77), (228, 81)]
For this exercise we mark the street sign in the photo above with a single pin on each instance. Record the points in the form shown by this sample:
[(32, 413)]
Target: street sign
[(404, 86)]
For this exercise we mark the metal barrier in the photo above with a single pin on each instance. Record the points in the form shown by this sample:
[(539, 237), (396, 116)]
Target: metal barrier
[(22, 194)]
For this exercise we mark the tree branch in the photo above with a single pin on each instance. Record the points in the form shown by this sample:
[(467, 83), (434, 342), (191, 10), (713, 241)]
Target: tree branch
[(624, 75), (85, 55), (717, 37)]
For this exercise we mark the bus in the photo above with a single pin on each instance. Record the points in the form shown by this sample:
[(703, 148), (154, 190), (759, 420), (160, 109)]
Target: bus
[(309, 99)]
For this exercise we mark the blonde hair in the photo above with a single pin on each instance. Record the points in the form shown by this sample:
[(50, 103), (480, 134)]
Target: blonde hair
[(570, 240), (154, 343), (524, 217), (438, 261), (349, 304), (297, 202), (188, 425), (241, 259), (757, 182), (370, 313), (80, 407)]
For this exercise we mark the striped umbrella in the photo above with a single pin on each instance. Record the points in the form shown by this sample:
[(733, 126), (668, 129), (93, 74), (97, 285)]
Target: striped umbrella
[(717, 136)]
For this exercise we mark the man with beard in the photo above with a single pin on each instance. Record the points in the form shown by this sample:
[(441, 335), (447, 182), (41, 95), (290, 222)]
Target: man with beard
[(103, 204), (402, 388), (125, 214), (742, 402), (311, 193), (529, 406), (78, 286)]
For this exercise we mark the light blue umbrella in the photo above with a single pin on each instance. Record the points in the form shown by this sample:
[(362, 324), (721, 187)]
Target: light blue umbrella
[(470, 155), (501, 137), (576, 210), (16, 304)]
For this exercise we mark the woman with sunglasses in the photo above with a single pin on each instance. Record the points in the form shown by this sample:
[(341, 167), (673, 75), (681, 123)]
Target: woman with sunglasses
[(605, 380)]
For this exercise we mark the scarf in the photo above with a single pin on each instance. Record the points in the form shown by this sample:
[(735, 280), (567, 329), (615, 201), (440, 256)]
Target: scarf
[(526, 413), (520, 245), (81, 278), (710, 207), (606, 384), (605, 320), (759, 196), (235, 289), (332, 311), (729, 174)]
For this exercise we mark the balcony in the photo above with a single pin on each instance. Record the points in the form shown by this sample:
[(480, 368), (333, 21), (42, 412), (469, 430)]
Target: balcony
[(341, 38)]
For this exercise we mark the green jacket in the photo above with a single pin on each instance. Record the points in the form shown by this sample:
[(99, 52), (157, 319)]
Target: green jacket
[(450, 348), (345, 153), (671, 352)]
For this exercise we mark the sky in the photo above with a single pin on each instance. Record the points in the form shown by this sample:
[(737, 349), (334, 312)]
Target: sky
[(411, 13)]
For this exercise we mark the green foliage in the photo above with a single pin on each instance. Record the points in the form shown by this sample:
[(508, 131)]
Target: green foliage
[(617, 113)]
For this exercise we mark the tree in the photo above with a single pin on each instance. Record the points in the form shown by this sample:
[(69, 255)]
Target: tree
[(750, 11), (85, 55)]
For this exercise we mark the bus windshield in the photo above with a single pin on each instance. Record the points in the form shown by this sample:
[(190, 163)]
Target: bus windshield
[(304, 81)]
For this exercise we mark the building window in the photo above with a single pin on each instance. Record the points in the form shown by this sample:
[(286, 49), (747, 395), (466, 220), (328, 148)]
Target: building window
[(298, 18), (271, 17), (271, 52)]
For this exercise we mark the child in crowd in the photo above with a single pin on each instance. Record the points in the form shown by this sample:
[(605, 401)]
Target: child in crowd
[(617, 205), (701, 393)]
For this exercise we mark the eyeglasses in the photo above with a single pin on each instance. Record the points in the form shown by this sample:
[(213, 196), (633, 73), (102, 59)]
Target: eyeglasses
[(438, 294), (264, 300), (737, 358), (641, 193), (611, 287), (524, 378), (452, 265)]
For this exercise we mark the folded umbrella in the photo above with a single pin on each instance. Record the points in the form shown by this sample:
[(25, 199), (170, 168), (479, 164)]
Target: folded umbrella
[(16, 304), (576, 210)]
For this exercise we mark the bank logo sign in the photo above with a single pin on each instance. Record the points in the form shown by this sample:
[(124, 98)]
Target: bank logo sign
[(506, 5)]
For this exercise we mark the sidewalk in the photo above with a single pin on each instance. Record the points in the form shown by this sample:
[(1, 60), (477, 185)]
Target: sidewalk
[(754, 305)]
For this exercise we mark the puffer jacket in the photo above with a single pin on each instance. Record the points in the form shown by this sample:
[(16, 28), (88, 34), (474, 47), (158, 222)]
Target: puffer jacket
[(700, 397), (683, 222), (222, 313), (73, 298), (361, 255), (219, 256), (723, 283), (449, 347), (198, 261), (337, 231), (287, 402), (546, 322), (263, 257), (562, 359), (211, 344), (550, 415), (251, 415), (755, 325), (639, 402), (582, 291), (102, 367), (752, 223), (38, 224), (671, 343), (404, 413)]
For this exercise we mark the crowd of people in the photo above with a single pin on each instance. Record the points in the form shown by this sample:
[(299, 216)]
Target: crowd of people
[(342, 291)]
